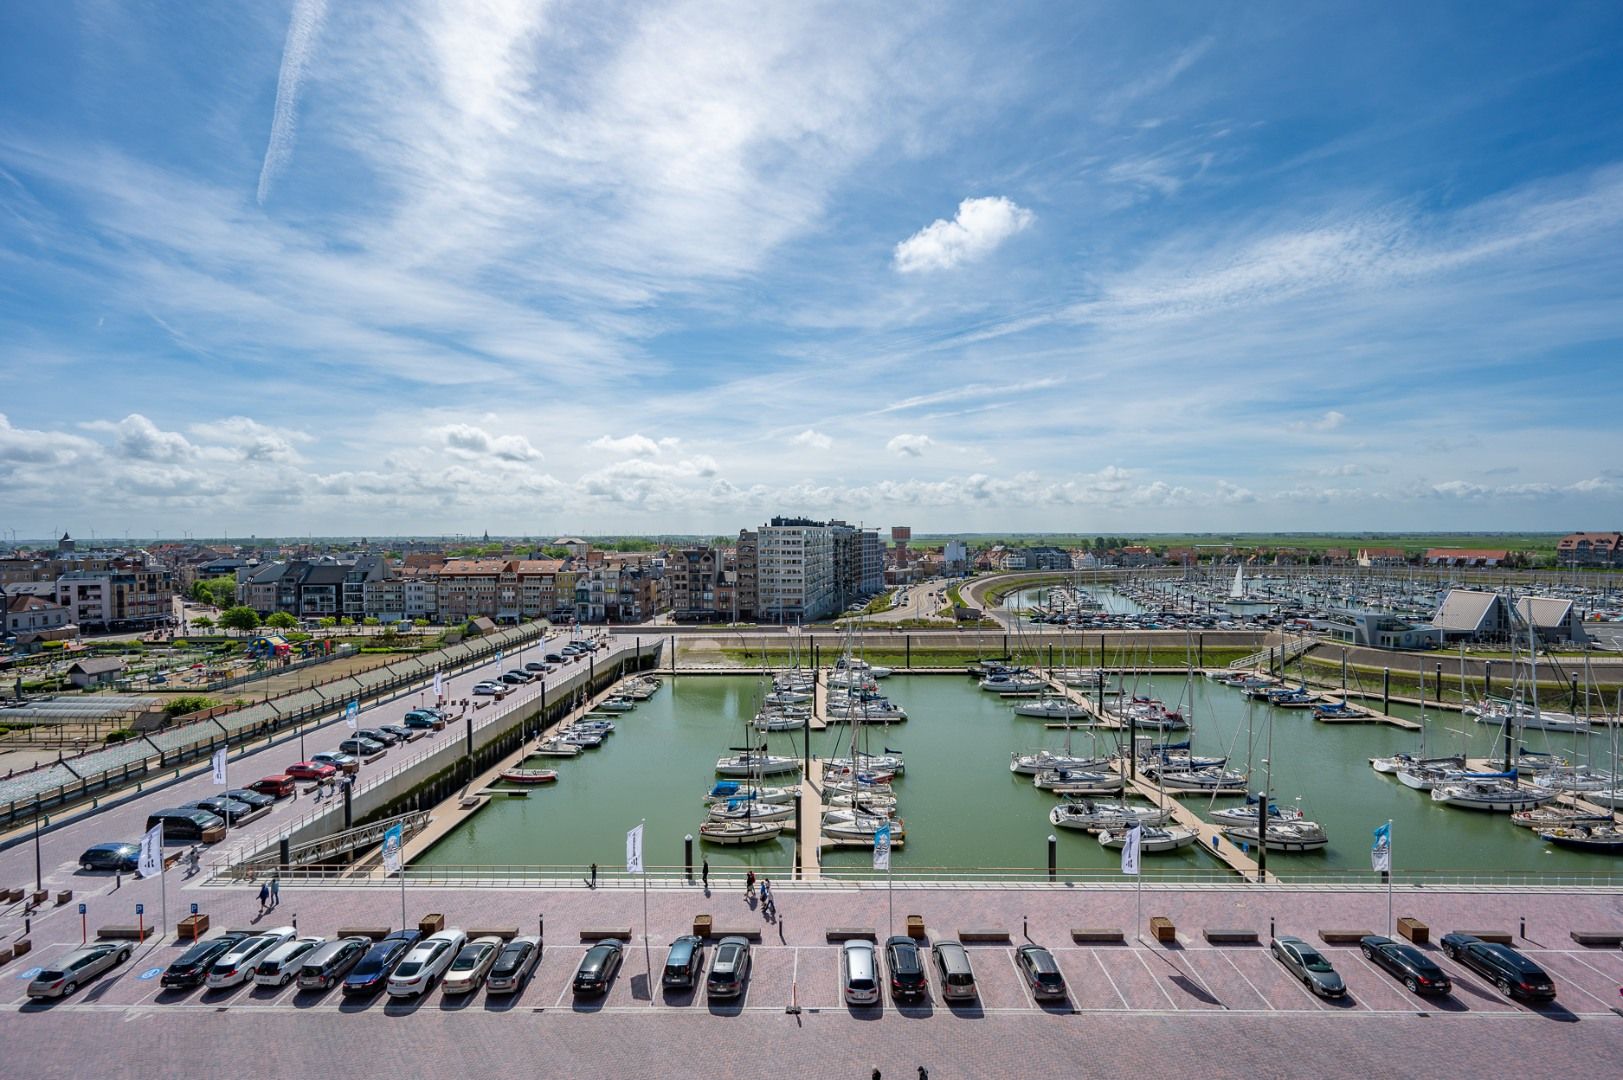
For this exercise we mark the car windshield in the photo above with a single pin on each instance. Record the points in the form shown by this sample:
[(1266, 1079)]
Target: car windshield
[(681, 952), (408, 969), (1312, 961), (510, 958), (469, 958)]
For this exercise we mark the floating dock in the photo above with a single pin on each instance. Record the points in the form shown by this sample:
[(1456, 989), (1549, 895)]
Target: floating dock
[(1211, 836)]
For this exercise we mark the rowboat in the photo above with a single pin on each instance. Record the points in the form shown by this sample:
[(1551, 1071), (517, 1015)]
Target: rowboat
[(529, 776)]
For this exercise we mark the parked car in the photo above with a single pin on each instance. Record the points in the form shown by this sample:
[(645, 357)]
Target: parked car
[(1041, 971), (339, 760), (598, 966), (256, 800), (401, 733), (1309, 965), (535, 666), (906, 968), (554, 658), (861, 972), (1513, 974), (192, 966), (276, 786), (237, 964), (187, 825), (425, 963), (517, 676), (373, 971), (730, 968), (684, 962), (489, 689), (311, 770), (120, 856), (381, 736), (229, 809), (329, 962), (77, 968), (418, 720), (279, 966), (471, 965), (362, 748), (952, 965), (1412, 967), (514, 964)]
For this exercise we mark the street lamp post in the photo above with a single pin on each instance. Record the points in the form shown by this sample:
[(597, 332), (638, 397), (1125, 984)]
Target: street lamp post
[(39, 871)]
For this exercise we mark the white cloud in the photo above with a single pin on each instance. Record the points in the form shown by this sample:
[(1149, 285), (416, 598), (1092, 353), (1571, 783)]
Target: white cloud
[(301, 33), (473, 443), (978, 228), (814, 440), (1330, 421), (141, 440), (634, 445), (909, 445)]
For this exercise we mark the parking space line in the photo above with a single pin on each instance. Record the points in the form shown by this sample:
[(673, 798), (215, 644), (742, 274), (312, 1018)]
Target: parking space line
[(1146, 966), (1605, 975), (1020, 977), (1260, 995), (1114, 989), (1580, 989)]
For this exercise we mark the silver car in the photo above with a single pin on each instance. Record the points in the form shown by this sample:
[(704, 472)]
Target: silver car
[(1309, 965), (514, 964), (76, 969)]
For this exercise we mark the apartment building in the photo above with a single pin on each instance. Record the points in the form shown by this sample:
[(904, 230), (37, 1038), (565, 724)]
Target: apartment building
[(122, 596), (795, 577)]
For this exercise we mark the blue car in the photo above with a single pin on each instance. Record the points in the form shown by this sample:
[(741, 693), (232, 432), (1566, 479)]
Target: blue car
[(372, 973)]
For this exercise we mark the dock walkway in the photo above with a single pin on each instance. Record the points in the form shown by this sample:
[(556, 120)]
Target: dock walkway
[(810, 831), (1211, 836), (818, 721)]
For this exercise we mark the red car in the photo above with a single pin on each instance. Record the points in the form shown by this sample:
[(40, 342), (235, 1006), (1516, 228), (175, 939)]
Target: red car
[(310, 770), (276, 787)]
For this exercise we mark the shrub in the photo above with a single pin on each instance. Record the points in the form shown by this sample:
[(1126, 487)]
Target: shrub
[(188, 704), (121, 735)]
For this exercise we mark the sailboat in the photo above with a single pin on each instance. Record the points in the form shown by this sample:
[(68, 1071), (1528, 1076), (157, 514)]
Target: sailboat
[(1152, 840), (1090, 815), (1237, 590)]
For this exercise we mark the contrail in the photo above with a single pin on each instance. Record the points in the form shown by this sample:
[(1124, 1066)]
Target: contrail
[(301, 34)]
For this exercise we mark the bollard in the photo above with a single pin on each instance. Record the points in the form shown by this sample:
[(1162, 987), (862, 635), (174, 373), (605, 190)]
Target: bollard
[(1386, 691), (687, 856), (286, 857), (541, 927), (1053, 856), (1439, 684)]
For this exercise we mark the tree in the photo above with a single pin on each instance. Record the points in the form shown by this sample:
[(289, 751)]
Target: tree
[(241, 618), (218, 591), (281, 620), (371, 620), (202, 622), (345, 620), (328, 622)]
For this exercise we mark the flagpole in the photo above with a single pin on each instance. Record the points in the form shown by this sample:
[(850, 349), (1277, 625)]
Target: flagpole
[(647, 955), (163, 892), (1389, 867)]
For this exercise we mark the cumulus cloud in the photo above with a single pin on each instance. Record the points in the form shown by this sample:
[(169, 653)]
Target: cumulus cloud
[(471, 443), (909, 445), (814, 440), (251, 440), (974, 232), (141, 440), (1330, 421), (634, 445)]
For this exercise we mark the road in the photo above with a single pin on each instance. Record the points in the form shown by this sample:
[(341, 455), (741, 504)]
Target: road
[(922, 600)]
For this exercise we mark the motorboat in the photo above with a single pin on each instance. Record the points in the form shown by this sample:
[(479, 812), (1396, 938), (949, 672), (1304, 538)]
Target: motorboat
[(1034, 763), (555, 746), (1495, 792), (1389, 766), (747, 764), (617, 704), (1088, 814), (640, 688), (1152, 840), (723, 790), (587, 739), (1052, 708), (1284, 836), (529, 776), (739, 832), (748, 810)]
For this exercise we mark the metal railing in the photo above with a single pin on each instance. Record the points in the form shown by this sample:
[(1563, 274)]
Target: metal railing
[(321, 851), (1282, 654)]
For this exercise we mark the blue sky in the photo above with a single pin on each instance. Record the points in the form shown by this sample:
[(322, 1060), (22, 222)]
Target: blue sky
[(438, 267)]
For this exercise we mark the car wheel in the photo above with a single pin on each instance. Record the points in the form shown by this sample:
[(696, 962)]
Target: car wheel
[(1369, 953), (1503, 986), (1410, 985), (86, 866), (1275, 950), (69, 988), (1451, 952), (123, 956)]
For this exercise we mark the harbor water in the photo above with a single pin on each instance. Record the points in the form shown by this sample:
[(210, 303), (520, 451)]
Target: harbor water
[(966, 811)]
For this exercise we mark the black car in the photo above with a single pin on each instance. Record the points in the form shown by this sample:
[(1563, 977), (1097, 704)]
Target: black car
[(372, 973), (421, 721), (1041, 972), (401, 734), (123, 857), (514, 678), (906, 968), (1413, 967), (192, 966), (598, 966), (220, 806), (554, 658), (255, 799), (381, 736), (1512, 973), (684, 962)]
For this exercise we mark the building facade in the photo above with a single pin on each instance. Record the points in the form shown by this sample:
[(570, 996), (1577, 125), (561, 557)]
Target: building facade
[(795, 576)]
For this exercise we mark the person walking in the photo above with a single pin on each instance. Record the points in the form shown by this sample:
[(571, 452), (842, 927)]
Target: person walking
[(705, 873), (276, 890), (264, 897), (594, 875), (749, 885)]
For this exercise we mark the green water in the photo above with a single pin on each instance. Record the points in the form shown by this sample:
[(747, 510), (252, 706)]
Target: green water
[(963, 807)]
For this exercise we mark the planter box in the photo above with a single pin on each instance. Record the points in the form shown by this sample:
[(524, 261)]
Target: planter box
[(40, 896), (192, 926), (63, 897), (21, 947), (1415, 930), (1162, 930), (701, 926), (915, 927), (431, 924)]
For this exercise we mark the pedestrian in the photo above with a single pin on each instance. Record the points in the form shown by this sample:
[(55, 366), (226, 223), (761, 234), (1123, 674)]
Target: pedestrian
[(705, 874), (876, 1074), (264, 897), (924, 1074), (276, 890), (749, 885), (763, 892), (594, 875)]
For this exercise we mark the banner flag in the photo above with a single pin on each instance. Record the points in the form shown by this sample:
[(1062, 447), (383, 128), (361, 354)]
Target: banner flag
[(881, 847), (219, 767), (1380, 855), (352, 714), (393, 840), (151, 863), (634, 851), (1130, 849)]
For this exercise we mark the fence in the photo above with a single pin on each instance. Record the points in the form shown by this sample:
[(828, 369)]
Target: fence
[(99, 772)]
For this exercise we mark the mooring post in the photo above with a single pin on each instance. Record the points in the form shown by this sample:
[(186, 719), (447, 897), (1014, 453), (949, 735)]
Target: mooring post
[(1053, 856), (1386, 691)]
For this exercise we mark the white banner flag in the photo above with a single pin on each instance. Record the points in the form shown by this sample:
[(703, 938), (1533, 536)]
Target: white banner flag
[(392, 841), (352, 714), (219, 767), (881, 847), (1130, 849), (151, 863), (634, 851), (439, 684), (1380, 855)]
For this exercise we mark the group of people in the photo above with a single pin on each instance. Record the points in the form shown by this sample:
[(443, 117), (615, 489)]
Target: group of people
[(270, 894), (769, 906)]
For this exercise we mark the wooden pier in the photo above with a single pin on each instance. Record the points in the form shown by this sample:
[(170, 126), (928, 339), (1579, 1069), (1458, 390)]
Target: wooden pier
[(1224, 849), (810, 831), (1097, 717), (1362, 714), (818, 720)]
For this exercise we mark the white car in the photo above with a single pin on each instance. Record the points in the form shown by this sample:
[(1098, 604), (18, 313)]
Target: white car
[(425, 963), (235, 966), (489, 689), (278, 966), (472, 964)]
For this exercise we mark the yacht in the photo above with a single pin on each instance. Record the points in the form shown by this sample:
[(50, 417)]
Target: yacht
[(1105, 815), (747, 764), (1152, 840), (1490, 792)]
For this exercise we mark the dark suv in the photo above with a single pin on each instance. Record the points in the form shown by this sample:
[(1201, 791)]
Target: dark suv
[(123, 857), (1511, 972), (906, 968)]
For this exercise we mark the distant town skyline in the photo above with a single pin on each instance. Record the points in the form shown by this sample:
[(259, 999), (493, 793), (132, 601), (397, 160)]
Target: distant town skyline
[(397, 269)]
